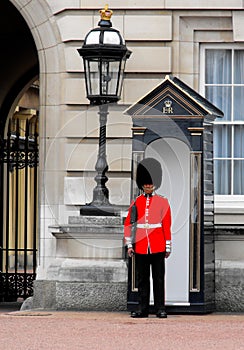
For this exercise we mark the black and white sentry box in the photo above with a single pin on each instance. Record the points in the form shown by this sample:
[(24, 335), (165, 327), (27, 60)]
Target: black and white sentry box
[(173, 124)]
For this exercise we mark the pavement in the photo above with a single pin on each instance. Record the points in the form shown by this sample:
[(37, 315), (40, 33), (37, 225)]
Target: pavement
[(71, 330)]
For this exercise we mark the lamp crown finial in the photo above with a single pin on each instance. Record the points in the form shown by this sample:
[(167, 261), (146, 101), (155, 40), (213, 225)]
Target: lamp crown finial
[(106, 14)]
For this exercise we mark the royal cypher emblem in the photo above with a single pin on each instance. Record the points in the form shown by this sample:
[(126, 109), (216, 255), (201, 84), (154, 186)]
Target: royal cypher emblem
[(167, 108)]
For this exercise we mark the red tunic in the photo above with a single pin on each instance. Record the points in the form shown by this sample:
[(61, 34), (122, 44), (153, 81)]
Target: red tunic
[(150, 210)]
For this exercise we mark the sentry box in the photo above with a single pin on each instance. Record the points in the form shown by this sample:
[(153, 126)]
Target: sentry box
[(174, 124)]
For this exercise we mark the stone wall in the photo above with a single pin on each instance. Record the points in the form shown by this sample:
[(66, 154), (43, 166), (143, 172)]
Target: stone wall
[(229, 267)]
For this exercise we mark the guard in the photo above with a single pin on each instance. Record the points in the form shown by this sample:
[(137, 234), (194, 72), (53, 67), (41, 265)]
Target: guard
[(152, 239)]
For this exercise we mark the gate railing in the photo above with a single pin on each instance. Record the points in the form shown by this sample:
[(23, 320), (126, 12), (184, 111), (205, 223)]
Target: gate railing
[(18, 241)]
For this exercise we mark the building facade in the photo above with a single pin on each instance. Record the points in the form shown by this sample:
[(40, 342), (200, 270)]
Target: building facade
[(200, 42)]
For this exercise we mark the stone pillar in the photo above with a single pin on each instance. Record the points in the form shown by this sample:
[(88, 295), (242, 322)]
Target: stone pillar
[(89, 272)]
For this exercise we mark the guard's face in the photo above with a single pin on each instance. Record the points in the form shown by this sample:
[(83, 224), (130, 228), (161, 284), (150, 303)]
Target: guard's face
[(148, 188)]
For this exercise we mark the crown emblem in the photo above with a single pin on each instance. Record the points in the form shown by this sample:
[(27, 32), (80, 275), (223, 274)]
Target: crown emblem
[(168, 103), (106, 13)]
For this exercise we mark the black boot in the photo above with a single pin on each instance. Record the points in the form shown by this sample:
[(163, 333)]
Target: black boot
[(138, 314)]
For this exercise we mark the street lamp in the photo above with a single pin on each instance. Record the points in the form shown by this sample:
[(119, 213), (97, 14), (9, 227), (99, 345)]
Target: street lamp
[(104, 55)]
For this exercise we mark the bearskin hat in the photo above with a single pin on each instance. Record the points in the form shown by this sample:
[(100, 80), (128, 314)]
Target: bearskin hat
[(149, 171)]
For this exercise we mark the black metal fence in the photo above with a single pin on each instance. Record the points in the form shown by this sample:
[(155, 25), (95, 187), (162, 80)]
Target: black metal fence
[(18, 235)]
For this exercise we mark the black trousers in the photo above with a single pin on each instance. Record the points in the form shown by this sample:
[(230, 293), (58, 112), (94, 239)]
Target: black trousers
[(143, 263)]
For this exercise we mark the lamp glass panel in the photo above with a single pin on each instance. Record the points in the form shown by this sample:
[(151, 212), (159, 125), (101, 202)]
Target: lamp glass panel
[(92, 76), (110, 75), (111, 38), (93, 38), (121, 77)]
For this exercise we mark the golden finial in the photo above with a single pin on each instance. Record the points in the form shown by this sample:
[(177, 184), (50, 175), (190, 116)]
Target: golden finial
[(106, 13)]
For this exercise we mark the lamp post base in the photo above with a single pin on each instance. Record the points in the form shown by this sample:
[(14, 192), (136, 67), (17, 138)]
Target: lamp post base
[(102, 210)]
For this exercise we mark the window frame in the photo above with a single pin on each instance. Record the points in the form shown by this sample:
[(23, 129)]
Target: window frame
[(235, 200)]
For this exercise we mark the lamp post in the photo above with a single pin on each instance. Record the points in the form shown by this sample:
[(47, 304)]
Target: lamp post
[(104, 55)]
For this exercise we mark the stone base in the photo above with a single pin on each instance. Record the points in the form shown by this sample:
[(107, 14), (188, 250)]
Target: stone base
[(91, 296), (105, 210), (229, 286), (229, 267), (83, 285)]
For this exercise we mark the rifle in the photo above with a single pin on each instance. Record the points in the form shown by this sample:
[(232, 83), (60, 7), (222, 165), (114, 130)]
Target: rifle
[(133, 221)]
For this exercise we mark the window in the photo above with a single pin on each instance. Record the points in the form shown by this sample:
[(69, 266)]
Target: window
[(223, 83)]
